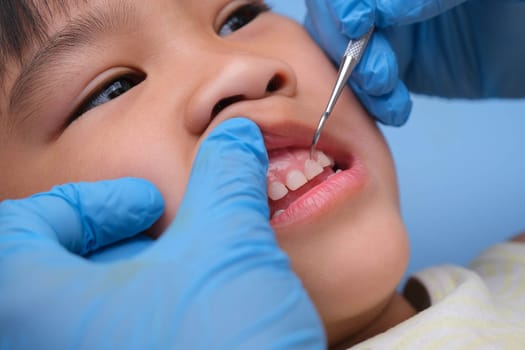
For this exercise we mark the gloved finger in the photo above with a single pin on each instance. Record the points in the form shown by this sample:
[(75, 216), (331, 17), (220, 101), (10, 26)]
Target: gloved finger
[(83, 217), (226, 255), (410, 11), (227, 187), (377, 73), (354, 17), (375, 79), (363, 80), (322, 27), (390, 109)]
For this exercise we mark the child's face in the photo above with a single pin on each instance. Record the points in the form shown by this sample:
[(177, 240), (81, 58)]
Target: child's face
[(345, 238)]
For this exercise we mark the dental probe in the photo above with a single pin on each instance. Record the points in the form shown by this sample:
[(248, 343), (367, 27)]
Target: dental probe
[(352, 56)]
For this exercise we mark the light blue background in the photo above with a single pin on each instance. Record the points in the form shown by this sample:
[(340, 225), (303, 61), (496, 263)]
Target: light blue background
[(461, 168), (461, 173)]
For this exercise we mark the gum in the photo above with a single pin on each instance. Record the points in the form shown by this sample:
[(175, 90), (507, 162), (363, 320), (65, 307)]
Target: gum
[(283, 161)]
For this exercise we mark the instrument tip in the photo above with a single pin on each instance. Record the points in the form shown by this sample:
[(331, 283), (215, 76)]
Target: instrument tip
[(317, 134), (312, 151)]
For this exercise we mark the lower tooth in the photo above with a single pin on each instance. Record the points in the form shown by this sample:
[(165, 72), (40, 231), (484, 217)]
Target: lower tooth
[(277, 213), (337, 172)]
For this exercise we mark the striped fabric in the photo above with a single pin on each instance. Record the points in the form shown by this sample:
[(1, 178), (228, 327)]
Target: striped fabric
[(482, 307)]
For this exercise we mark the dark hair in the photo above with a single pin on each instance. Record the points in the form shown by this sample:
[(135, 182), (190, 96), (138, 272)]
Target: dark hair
[(24, 23)]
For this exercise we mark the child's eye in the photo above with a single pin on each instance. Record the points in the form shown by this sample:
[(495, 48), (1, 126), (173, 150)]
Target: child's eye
[(108, 92), (241, 16)]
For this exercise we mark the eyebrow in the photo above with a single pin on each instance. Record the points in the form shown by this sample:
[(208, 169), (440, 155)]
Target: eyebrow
[(82, 31)]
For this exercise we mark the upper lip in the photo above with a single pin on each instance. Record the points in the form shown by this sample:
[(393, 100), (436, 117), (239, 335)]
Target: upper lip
[(294, 133)]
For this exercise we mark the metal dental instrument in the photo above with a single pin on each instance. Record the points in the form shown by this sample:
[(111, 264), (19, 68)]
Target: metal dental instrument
[(351, 58)]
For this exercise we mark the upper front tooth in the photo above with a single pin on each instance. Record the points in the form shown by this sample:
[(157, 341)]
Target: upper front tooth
[(276, 191), (295, 179), (312, 169), (324, 160)]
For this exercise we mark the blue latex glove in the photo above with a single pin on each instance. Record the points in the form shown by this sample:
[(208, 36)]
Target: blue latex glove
[(215, 279), (450, 48)]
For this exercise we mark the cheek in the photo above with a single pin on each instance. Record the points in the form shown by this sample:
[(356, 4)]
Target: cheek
[(160, 156), (164, 162)]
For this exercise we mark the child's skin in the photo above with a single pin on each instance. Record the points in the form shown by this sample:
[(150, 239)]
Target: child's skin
[(347, 241)]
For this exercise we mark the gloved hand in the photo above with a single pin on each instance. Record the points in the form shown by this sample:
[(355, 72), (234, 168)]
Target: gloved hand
[(449, 48), (215, 279)]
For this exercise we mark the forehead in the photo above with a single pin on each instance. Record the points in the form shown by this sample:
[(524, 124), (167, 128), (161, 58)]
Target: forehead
[(25, 23), (32, 18)]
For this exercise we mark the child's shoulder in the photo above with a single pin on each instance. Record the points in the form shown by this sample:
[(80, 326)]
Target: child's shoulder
[(502, 267), (481, 304)]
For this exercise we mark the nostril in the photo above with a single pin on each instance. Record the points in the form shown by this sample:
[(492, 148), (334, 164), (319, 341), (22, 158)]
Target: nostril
[(276, 83), (225, 102)]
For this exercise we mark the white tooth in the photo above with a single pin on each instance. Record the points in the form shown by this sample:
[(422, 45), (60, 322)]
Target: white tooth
[(277, 213), (324, 160), (276, 191), (312, 169), (338, 171), (295, 179)]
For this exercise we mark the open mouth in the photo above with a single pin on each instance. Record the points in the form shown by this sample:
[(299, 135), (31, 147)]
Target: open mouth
[(292, 176)]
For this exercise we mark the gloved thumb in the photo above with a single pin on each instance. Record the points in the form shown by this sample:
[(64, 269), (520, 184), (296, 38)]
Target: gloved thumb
[(83, 217), (222, 259), (227, 186)]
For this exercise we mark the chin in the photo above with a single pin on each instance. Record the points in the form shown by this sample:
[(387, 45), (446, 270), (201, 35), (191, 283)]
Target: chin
[(351, 262)]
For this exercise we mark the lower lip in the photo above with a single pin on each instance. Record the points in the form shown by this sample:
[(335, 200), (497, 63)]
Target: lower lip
[(324, 197)]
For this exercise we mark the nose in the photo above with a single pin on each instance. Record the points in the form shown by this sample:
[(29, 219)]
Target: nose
[(238, 78)]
